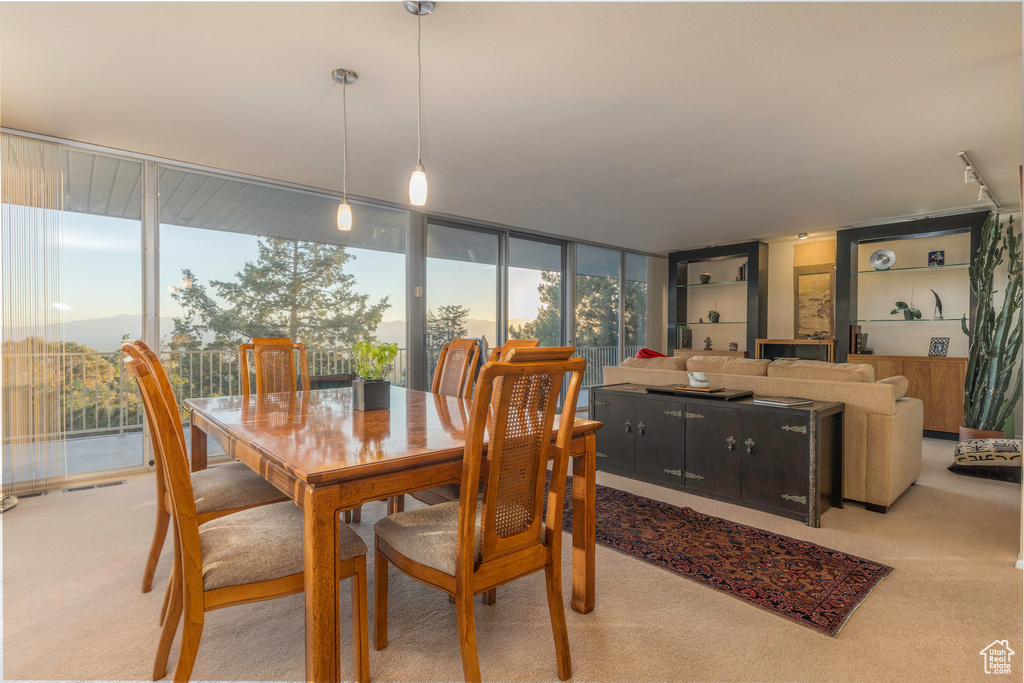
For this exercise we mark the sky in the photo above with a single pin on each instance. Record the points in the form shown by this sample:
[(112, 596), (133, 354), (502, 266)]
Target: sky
[(103, 271)]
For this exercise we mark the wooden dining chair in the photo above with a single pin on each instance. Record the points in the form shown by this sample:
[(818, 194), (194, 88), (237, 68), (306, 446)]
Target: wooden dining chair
[(219, 491), (455, 366), (274, 365), (470, 546), (510, 344), (249, 556)]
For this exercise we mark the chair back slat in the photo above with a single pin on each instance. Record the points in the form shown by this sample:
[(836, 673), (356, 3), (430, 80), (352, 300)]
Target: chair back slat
[(516, 400), (456, 362), (274, 365)]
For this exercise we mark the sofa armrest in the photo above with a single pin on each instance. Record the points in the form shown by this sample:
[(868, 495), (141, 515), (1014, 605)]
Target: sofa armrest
[(894, 451)]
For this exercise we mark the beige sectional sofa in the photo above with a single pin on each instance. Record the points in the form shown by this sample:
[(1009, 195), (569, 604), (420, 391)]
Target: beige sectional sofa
[(882, 429)]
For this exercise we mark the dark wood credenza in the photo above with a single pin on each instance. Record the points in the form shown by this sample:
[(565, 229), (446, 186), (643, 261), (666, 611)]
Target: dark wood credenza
[(787, 461)]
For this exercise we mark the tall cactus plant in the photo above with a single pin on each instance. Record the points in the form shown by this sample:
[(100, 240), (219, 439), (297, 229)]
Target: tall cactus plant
[(995, 340)]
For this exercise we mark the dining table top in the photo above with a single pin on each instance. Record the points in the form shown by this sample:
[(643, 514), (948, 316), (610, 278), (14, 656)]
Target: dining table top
[(318, 437)]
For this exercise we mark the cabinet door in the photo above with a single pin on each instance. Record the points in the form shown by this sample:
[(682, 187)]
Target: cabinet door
[(712, 456), (776, 470), (659, 440), (615, 440)]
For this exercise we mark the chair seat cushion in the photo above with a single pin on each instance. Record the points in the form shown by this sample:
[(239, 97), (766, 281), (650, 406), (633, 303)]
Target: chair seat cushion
[(449, 491), (428, 535), (988, 458), (260, 544), (231, 486)]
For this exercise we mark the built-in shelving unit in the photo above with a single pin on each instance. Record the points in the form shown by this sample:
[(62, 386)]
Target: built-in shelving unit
[(865, 296), (742, 303)]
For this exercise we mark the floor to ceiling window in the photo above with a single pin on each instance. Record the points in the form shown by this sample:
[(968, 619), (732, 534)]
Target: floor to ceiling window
[(535, 291), (240, 260), (462, 288), (598, 273), (634, 306)]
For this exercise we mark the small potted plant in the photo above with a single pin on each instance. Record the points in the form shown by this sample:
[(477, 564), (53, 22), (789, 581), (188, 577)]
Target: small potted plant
[(909, 312), (713, 314), (371, 391)]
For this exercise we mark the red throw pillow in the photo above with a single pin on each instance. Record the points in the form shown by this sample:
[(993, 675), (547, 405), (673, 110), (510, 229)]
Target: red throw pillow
[(648, 353)]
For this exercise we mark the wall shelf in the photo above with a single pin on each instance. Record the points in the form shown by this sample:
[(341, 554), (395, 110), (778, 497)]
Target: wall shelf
[(936, 269), (723, 283), (902, 320), (848, 268), (683, 264)]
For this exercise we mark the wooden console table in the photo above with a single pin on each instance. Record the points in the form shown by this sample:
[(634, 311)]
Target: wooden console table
[(938, 381), (804, 349), (787, 461)]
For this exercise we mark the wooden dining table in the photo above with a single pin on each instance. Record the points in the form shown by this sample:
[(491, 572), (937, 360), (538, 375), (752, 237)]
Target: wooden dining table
[(329, 458)]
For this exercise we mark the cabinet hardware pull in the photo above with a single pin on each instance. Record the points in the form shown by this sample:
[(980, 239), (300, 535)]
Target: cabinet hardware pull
[(796, 499), (674, 473), (749, 443), (694, 416), (600, 403), (674, 413), (795, 428), (731, 441), (601, 455), (691, 475), (629, 426), (641, 428)]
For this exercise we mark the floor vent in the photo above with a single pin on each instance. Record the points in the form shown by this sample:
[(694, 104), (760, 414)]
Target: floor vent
[(34, 494), (89, 487)]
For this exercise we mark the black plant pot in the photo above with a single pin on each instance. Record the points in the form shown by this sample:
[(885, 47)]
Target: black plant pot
[(374, 394), (907, 315)]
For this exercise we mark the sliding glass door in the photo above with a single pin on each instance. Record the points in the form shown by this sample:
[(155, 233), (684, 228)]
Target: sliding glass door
[(535, 290), (598, 273), (462, 288)]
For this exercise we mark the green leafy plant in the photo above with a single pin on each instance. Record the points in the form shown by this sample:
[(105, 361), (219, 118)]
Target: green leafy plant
[(990, 389), (373, 359), (904, 306)]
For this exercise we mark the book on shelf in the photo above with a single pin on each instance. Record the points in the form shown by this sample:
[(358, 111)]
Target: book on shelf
[(782, 401)]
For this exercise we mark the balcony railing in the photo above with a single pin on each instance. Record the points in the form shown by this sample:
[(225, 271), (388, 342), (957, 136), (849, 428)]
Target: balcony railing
[(101, 398)]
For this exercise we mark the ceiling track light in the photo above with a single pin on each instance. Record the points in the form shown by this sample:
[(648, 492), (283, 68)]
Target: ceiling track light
[(972, 174), (418, 180), (344, 77)]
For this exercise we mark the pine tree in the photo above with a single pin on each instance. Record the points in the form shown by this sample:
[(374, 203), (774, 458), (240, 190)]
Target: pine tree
[(294, 289)]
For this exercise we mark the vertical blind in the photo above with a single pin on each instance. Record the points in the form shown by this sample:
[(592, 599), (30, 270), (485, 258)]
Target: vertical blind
[(31, 193)]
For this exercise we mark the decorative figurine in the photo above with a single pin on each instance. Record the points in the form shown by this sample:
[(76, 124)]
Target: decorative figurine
[(938, 306), (707, 344)]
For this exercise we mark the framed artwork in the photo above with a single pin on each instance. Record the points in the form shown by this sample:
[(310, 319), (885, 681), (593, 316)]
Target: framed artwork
[(812, 301), (937, 257), (939, 346)]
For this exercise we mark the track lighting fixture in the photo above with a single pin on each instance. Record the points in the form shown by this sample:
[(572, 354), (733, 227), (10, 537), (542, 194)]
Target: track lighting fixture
[(972, 175)]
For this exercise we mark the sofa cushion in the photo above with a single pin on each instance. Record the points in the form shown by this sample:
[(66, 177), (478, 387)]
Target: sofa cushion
[(655, 363), (816, 369), (729, 365), (900, 382)]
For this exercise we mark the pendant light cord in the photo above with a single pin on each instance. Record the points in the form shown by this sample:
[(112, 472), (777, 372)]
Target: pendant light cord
[(344, 113), (419, 88)]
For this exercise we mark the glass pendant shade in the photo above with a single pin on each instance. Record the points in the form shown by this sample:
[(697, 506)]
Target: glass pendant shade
[(344, 215), (418, 186)]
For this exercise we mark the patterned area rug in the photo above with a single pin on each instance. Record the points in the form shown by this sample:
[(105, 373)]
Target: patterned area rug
[(807, 583)]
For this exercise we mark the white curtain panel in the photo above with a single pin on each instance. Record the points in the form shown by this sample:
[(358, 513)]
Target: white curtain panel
[(32, 195)]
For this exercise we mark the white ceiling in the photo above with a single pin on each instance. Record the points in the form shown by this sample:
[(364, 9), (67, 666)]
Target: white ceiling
[(653, 126)]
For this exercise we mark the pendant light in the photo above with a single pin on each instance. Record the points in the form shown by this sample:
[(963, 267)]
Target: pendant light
[(344, 77), (418, 181)]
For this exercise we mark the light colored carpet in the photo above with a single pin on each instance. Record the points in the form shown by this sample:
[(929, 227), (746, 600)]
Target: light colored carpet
[(72, 568)]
